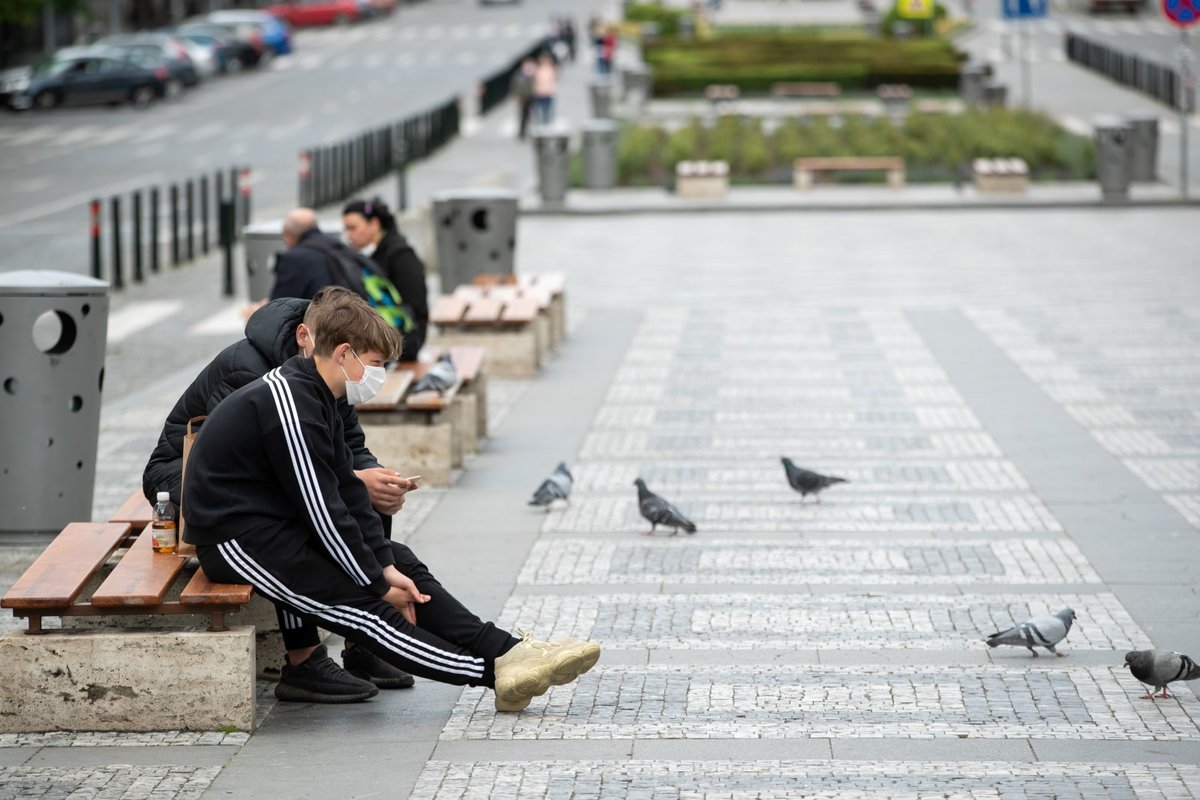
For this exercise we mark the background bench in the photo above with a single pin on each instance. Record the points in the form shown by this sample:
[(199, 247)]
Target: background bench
[(1000, 175), (805, 170), (805, 89), (699, 179)]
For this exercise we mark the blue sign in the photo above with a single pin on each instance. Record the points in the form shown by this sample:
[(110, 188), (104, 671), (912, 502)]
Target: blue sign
[(1024, 9)]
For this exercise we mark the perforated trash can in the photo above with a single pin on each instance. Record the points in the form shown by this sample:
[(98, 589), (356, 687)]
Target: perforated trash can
[(476, 232), (600, 91), (263, 242), (971, 79), (1114, 157), (1144, 147), (552, 156), (599, 153), (53, 332), (637, 84)]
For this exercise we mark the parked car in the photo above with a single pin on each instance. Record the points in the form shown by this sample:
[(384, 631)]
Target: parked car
[(205, 56), (276, 34), (240, 45), (308, 13), (94, 77), (155, 49)]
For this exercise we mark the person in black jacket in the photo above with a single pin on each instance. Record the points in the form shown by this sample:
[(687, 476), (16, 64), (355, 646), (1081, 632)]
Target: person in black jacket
[(371, 229), (307, 266), (276, 332), (273, 502)]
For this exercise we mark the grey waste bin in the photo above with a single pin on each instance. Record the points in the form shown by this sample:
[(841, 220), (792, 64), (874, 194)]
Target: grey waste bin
[(53, 331), (476, 232), (552, 156), (599, 153), (637, 84), (971, 79), (995, 94), (1114, 157), (263, 241), (1144, 156), (601, 93)]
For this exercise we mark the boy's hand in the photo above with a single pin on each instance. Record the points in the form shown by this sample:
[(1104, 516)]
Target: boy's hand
[(403, 593), (385, 487)]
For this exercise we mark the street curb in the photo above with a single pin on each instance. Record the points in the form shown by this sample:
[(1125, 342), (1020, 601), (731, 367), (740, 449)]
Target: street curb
[(711, 208)]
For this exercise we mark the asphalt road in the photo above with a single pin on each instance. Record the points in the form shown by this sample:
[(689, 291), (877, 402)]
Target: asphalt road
[(338, 81)]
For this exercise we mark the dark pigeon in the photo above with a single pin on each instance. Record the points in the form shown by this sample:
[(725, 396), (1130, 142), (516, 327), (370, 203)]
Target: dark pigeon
[(806, 481), (440, 377), (1157, 668), (556, 487), (659, 512), (1044, 630)]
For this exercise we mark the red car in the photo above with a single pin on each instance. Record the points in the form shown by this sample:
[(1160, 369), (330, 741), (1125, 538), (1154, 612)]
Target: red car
[(300, 13)]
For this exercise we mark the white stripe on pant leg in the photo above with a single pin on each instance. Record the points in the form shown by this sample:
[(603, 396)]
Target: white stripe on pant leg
[(291, 621), (348, 616)]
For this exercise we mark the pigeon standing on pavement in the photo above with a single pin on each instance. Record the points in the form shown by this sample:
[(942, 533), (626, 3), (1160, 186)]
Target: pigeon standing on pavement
[(1044, 630), (440, 376), (806, 481), (556, 487), (1157, 668), (659, 512)]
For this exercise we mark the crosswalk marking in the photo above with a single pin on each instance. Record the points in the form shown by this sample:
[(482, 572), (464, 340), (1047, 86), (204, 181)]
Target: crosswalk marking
[(229, 321), (138, 316)]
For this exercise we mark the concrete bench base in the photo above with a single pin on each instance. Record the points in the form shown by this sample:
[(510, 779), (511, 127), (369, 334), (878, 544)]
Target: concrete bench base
[(558, 319), (510, 353), (414, 448), (121, 680), (478, 391), (463, 412)]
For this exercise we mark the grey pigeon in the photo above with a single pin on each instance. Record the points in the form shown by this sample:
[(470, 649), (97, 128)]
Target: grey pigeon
[(556, 487), (1044, 630), (806, 481), (659, 512), (1157, 668), (439, 378)]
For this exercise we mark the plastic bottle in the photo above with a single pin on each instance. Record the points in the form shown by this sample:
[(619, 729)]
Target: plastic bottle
[(163, 530)]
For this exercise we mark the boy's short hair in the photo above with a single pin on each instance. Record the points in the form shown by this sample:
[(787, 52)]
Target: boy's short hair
[(336, 315)]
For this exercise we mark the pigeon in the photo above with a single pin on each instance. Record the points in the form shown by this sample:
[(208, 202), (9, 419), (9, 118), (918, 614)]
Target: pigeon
[(1044, 630), (556, 487), (659, 512), (440, 376), (1157, 668), (807, 482)]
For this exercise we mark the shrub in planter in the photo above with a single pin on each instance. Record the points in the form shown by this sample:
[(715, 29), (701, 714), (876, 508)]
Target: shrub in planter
[(639, 155), (667, 19)]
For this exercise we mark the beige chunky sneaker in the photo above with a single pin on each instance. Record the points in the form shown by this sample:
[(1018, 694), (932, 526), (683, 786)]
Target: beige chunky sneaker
[(532, 667)]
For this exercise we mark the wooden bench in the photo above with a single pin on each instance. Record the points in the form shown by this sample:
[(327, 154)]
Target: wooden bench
[(1000, 175), (805, 89), (116, 678), (805, 170), (722, 93), (514, 324), (701, 179)]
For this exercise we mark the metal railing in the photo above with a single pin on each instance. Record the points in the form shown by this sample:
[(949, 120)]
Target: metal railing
[(1161, 82)]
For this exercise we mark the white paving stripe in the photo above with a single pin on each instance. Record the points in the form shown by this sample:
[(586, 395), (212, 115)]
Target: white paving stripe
[(229, 321), (139, 316)]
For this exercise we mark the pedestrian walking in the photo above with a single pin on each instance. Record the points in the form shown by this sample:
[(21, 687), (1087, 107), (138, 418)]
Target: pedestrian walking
[(545, 85), (521, 88), (607, 50)]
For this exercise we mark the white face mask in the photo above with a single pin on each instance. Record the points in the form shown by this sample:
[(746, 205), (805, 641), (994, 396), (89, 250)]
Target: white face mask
[(369, 250), (364, 389)]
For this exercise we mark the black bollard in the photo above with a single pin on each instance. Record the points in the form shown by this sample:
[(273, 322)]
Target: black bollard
[(226, 223), (118, 272), (244, 190), (138, 274), (205, 238), (94, 209), (189, 193), (155, 248), (175, 254)]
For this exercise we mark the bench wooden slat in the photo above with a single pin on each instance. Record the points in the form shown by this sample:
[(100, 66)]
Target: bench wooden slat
[(805, 89), (59, 574), (542, 296), (850, 163), (520, 310), (137, 511), (141, 578), (200, 591), (469, 292), (468, 360), (447, 310), (486, 310), (431, 399), (394, 387)]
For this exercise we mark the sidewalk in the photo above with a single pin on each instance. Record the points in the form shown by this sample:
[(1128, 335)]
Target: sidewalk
[(1012, 397)]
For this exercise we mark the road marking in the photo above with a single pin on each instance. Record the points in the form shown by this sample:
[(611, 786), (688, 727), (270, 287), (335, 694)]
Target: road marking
[(80, 199), (408, 34), (80, 134), (512, 30), (157, 132), (230, 320), (434, 32), (405, 60), (374, 60), (34, 135), (341, 62), (204, 132), (434, 57), (138, 316), (460, 32)]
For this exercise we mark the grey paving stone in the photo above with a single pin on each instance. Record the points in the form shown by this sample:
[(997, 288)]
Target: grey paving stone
[(111, 782)]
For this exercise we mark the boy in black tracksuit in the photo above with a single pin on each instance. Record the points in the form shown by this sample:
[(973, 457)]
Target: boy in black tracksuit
[(272, 500)]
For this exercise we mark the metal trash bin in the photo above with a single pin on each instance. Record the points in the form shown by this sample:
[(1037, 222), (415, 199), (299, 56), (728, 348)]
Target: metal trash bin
[(599, 153), (971, 79), (1114, 157), (995, 95), (637, 85), (263, 241), (552, 156), (1144, 155), (53, 333), (476, 232), (600, 91)]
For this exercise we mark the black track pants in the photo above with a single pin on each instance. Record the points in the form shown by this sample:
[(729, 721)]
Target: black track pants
[(449, 644)]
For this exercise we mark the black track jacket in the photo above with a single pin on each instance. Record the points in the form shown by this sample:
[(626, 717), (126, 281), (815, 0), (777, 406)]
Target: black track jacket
[(273, 456)]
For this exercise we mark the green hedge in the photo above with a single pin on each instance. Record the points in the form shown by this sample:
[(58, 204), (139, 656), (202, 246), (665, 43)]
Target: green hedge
[(935, 147), (754, 61), (667, 19)]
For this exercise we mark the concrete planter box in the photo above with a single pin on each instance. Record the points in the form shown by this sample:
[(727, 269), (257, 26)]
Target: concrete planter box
[(701, 179)]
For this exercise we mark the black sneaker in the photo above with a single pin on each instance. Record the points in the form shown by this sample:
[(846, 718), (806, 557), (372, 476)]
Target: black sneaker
[(320, 680), (362, 663)]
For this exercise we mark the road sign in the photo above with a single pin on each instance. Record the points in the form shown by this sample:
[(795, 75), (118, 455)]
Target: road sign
[(1183, 13), (1028, 9), (915, 9)]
